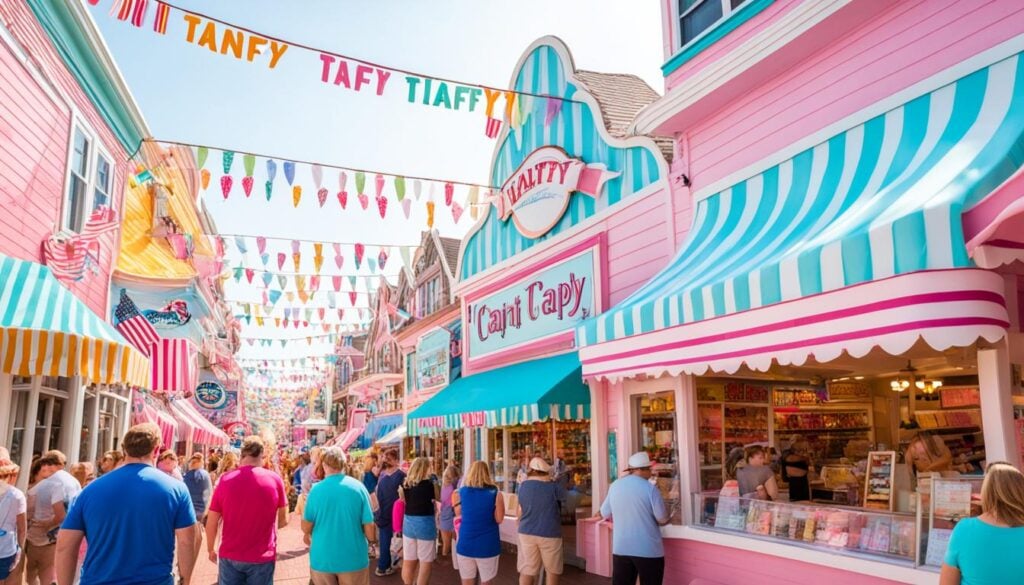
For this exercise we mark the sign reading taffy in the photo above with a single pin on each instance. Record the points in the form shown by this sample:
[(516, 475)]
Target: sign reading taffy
[(537, 194)]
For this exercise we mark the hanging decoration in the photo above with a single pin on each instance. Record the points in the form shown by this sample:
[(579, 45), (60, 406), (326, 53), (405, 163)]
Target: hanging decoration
[(311, 176), (341, 71)]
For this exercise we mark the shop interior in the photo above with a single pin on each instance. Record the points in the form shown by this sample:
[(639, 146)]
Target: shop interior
[(854, 446)]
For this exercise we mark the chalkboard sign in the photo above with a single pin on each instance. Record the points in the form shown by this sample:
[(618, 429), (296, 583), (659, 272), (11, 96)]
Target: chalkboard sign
[(880, 480)]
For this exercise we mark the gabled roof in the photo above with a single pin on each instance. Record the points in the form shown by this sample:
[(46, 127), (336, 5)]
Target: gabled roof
[(621, 97), (450, 252)]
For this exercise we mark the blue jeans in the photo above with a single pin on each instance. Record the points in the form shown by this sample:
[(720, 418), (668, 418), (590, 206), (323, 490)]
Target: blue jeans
[(238, 573), (385, 533)]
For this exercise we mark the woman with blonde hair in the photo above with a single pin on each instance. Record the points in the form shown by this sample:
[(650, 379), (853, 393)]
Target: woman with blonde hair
[(419, 530), (479, 511), (228, 463), (986, 550), (13, 520)]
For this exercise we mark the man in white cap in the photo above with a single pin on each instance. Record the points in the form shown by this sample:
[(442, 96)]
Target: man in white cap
[(636, 507)]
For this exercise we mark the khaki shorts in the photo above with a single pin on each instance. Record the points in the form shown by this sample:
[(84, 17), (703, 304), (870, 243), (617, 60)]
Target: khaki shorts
[(414, 549), (469, 567), (360, 577), (535, 551), (39, 558)]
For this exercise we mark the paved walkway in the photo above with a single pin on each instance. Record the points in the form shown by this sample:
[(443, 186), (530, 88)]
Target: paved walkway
[(293, 566)]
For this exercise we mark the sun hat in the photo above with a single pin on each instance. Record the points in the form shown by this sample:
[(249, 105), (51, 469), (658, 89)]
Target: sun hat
[(538, 464), (639, 460)]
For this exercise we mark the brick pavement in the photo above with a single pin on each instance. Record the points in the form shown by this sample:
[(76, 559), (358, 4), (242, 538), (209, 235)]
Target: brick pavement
[(293, 566)]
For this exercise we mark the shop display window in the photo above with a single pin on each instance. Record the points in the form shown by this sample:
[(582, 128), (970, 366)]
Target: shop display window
[(849, 530), (656, 433)]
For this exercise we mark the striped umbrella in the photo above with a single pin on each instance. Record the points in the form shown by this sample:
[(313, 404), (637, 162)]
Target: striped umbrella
[(47, 331)]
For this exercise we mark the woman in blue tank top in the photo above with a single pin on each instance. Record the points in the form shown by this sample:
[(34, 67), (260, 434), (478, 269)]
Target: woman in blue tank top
[(479, 510)]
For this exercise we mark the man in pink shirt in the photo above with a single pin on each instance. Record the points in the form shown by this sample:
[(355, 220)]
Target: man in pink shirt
[(251, 503)]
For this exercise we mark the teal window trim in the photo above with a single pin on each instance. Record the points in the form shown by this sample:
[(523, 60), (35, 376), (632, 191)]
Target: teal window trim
[(714, 34), (75, 50)]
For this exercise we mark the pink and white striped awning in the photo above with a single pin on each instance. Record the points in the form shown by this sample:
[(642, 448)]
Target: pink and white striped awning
[(145, 413), (994, 228), (945, 308), (202, 431), (175, 366)]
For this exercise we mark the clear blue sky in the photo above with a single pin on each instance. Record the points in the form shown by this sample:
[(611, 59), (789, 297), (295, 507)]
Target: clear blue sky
[(191, 95)]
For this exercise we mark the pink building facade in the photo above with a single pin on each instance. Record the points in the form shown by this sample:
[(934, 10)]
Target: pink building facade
[(68, 126), (792, 315)]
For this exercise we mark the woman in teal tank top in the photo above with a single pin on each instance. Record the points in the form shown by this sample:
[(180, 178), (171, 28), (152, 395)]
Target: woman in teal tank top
[(987, 550)]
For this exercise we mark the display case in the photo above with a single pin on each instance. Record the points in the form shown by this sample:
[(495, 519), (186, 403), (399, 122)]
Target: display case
[(496, 444), (944, 502), (854, 531)]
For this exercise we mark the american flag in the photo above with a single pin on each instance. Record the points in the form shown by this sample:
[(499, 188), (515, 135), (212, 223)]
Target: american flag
[(135, 328)]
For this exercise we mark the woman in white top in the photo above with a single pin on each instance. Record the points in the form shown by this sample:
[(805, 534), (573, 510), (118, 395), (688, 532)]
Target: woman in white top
[(13, 525)]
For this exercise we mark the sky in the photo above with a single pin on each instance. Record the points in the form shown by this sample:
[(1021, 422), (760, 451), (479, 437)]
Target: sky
[(189, 94)]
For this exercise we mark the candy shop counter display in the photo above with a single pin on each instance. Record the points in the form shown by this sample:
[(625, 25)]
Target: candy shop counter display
[(854, 531)]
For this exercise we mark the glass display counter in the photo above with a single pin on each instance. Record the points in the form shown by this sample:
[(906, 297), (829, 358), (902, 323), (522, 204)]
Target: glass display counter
[(845, 530)]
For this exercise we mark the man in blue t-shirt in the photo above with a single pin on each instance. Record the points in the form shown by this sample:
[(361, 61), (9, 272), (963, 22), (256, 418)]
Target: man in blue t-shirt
[(132, 518)]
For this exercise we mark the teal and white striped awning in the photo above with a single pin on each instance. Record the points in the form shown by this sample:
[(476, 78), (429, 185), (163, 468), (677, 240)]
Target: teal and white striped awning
[(879, 202), (524, 393)]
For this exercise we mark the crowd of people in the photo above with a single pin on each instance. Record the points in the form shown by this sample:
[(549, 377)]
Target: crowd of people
[(137, 517)]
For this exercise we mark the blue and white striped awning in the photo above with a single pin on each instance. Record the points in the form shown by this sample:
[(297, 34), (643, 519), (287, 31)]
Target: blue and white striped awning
[(873, 207)]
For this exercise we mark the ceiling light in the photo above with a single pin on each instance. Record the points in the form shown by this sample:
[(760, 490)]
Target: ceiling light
[(904, 378)]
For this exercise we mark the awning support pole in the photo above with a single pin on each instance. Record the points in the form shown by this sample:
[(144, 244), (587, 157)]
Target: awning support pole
[(28, 437), (6, 403)]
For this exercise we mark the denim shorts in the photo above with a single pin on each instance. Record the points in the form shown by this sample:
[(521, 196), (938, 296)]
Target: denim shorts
[(419, 527), (448, 519)]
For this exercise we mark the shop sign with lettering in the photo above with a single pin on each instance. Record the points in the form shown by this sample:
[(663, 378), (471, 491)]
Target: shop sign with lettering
[(433, 359), (537, 194), (550, 301)]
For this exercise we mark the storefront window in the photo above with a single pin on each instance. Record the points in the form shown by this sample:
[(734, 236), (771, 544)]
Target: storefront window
[(854, 458), (658, 436)]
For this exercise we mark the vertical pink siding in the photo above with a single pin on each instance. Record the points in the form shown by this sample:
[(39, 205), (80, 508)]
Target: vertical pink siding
[(903, 45), (637, 245), (613, 402), (34, 134), (686, 560)]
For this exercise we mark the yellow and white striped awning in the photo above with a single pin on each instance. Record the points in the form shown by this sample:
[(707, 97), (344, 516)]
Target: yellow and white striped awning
[(47, 331)]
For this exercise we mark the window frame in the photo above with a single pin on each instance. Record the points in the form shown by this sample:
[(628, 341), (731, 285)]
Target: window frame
[(677, 22), (96, 150)]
